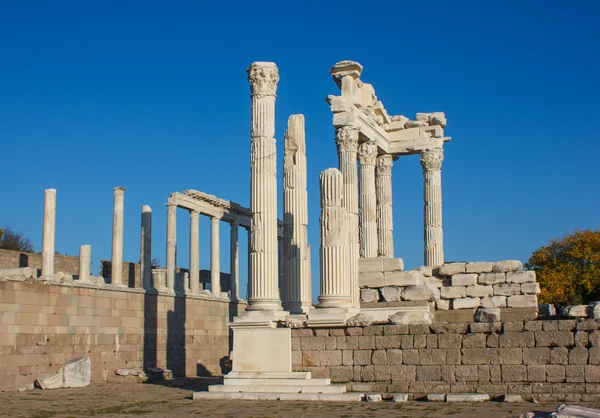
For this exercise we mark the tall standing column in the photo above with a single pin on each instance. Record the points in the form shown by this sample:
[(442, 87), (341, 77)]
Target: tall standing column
[(367, 154), (85, 256), (215, 257), (335, 282), (296, 289), (194, 252), (264, 291), (49, 232), (234, 261), (347, 145), (385, 224), (117, 237), (146, 247), (431, 161), (171, 246)]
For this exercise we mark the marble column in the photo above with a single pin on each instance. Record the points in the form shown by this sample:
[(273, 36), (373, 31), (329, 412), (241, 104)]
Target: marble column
[(194, 252), (85, 257), (335, 281), (171, 246), (431, 161), (117, 237), (296, 286), (215, 257), (49, 232), (146, 248), (385, 225), (264, 291), (347, 146), (234, 261), (367, 155)]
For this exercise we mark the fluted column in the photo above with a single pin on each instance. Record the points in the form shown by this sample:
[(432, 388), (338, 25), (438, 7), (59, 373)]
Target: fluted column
[(264, 291), (431, 161), (117, 237), (194, 252), (171, 245), (146, 247), (234, 261), (215, 257), (385, 224), (347, 146), (296, 289), (49, 232), (335, 281), (367, 154), (85, 257)]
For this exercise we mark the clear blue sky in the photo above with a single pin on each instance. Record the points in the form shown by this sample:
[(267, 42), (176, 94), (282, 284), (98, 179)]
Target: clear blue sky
[(153, 96)]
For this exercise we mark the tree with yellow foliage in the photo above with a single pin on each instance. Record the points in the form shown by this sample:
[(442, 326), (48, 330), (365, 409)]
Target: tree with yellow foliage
[(568, 269)]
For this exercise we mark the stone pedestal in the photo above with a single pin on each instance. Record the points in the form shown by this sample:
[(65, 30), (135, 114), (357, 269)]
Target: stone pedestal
[(48, 232), (85, 257), (215, 257), (431, 161), (146, 247), (262, 349), (194, 252), (385, 224), (117, 238), (171, 246), (367, 155)]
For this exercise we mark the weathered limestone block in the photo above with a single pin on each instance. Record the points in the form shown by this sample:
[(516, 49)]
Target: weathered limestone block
[(436, 397), (467, 397), (20, 272), (578, 311), (400, 397), (465, 303), (479, 267), (491, 278), (494, 302), (480, 291), (372, 264), (411, 317), (464, 279), (369, 295), (521, 301), (507, 289), (452, 269), (595, 310), (404, 278), (392, 264), (371, 279), (50, 380), (487, 315), (434, 281), (512, 398), (506, 265), (450, 292), (442, 304), (426, 270), (520, 276), (391, 294), (373, 397), (418, 293), (531, 288), (360, 320)]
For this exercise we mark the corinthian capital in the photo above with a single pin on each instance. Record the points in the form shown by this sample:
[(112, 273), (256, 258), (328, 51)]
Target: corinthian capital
[(384, 165), (367, 153), (431, 160), (346, 138), (263, 78)]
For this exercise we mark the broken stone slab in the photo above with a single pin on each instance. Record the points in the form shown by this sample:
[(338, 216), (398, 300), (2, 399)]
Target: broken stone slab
[(391, 293), (491, 278), (128, 372), (464, 279), (575, 411), (373, 397), (521, 301), (487, 315), (506, 265), (578, 311), (452, 269), (403, 278), (50, 380), (24, 272), (295, 323), (494, 302), (467, 397), (369, 295), (400, 397), (27, 387), (77, 373), (465, 303), (479, 267), (411, 317), (423, 292), (512, 398), (520, 276), (436, 397), (360, 320)]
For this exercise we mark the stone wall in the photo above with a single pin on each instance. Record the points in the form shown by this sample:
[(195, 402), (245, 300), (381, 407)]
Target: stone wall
[(44, 325), (556, 360), (12, 259)]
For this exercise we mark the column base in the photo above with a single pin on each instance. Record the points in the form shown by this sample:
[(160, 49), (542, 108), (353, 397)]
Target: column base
[(334, 302), (258, 319), (298, 308), (264, 305), (330, 317)]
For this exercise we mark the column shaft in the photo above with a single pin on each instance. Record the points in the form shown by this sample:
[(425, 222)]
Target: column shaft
[(234, 261), (431, 160), (117, 237), (171, 246), (215, 257), (385, 225), (367, 154), (49, 232), (85, 256), (194, 252), (146, 247)]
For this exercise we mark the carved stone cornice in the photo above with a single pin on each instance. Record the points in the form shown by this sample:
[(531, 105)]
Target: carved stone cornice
[(367, 153), (346, 139), (384, 165), (431, 159), (263, 78)]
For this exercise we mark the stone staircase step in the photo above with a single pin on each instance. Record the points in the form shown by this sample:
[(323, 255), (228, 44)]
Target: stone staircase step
[(277, 389), (273, 396), (275, 382), (268, 375)]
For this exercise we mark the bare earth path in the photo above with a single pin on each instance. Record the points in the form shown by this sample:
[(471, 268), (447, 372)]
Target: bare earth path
[(174, 399)]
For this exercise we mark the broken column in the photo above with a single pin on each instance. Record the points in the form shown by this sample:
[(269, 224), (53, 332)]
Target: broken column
[(117, 237), (347, 145), (264, 291), (385, 225), (296, 286), (431, 160), (171, 245), (215, 257), (146, 247), (194, 252), (367, 155), (85, 257), (49, 232), (335, 281)]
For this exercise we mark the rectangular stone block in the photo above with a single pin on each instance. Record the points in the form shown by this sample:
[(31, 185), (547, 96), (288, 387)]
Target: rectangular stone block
[(449, 341), (404, 278), (434, 281), (516, 340), (452, 269), (429, 373), (592, 374), (507, 289), (539, 355), (392, 264), (372, 280), (463, 279), (467, 373), (531, 289), (555, 373), (575, 373), (451, 292), (514, 373), (507, 265), (554, 339), (442, 304), (474, 341), (520, 277), (465, 303), (475, 355), (432, 356), (536, 373), (479, 291), (521, 301), (494, 302), (370, 265), (479, 267), (491, 278), (506, 356)]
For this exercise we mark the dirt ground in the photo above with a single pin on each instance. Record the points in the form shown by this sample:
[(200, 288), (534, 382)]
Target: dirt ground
[(173, 398)]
